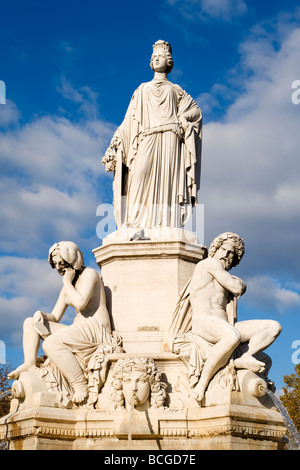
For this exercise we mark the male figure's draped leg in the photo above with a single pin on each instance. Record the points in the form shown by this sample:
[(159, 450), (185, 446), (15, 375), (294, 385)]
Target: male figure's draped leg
[(225, 339), (259, 335)]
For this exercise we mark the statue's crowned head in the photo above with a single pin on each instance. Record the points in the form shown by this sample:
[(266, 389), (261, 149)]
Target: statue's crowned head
[(162, 46), (165, 48)]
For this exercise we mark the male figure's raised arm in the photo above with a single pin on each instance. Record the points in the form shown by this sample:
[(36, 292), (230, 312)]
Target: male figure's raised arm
[(233, 284)]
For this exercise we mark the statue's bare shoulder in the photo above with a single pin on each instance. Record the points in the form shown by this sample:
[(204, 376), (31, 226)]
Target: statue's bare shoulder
[(202, 274), (207, 266)]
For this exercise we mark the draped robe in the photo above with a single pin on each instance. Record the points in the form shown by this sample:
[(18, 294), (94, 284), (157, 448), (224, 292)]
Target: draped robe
[(90, 342), (162, 159)]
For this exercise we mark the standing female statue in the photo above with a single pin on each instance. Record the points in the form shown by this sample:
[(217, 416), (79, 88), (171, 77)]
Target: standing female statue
[(156, 151)]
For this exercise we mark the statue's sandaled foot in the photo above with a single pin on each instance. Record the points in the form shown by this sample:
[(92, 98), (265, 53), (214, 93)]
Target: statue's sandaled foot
[(22, 368), (246, 361), (79, 394)]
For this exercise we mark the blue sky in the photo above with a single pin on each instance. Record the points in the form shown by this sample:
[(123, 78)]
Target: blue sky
[(70, 69)]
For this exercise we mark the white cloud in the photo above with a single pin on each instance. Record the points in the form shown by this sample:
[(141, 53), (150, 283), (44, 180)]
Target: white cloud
[(32, 218), (209, 104), (67, 47), (85, 97), (266, 293), (54, 148), (9, 114), (23, 276), (250, 170), (27, 285), (225, 10), (287, 196), (50, 181)]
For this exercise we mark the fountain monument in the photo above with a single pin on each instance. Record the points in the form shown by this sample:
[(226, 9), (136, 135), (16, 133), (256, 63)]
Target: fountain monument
[(156, 358)]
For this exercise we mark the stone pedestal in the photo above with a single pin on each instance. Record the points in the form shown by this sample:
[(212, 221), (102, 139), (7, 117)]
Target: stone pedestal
[(142, 280), (219, 428), (235, 424)]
